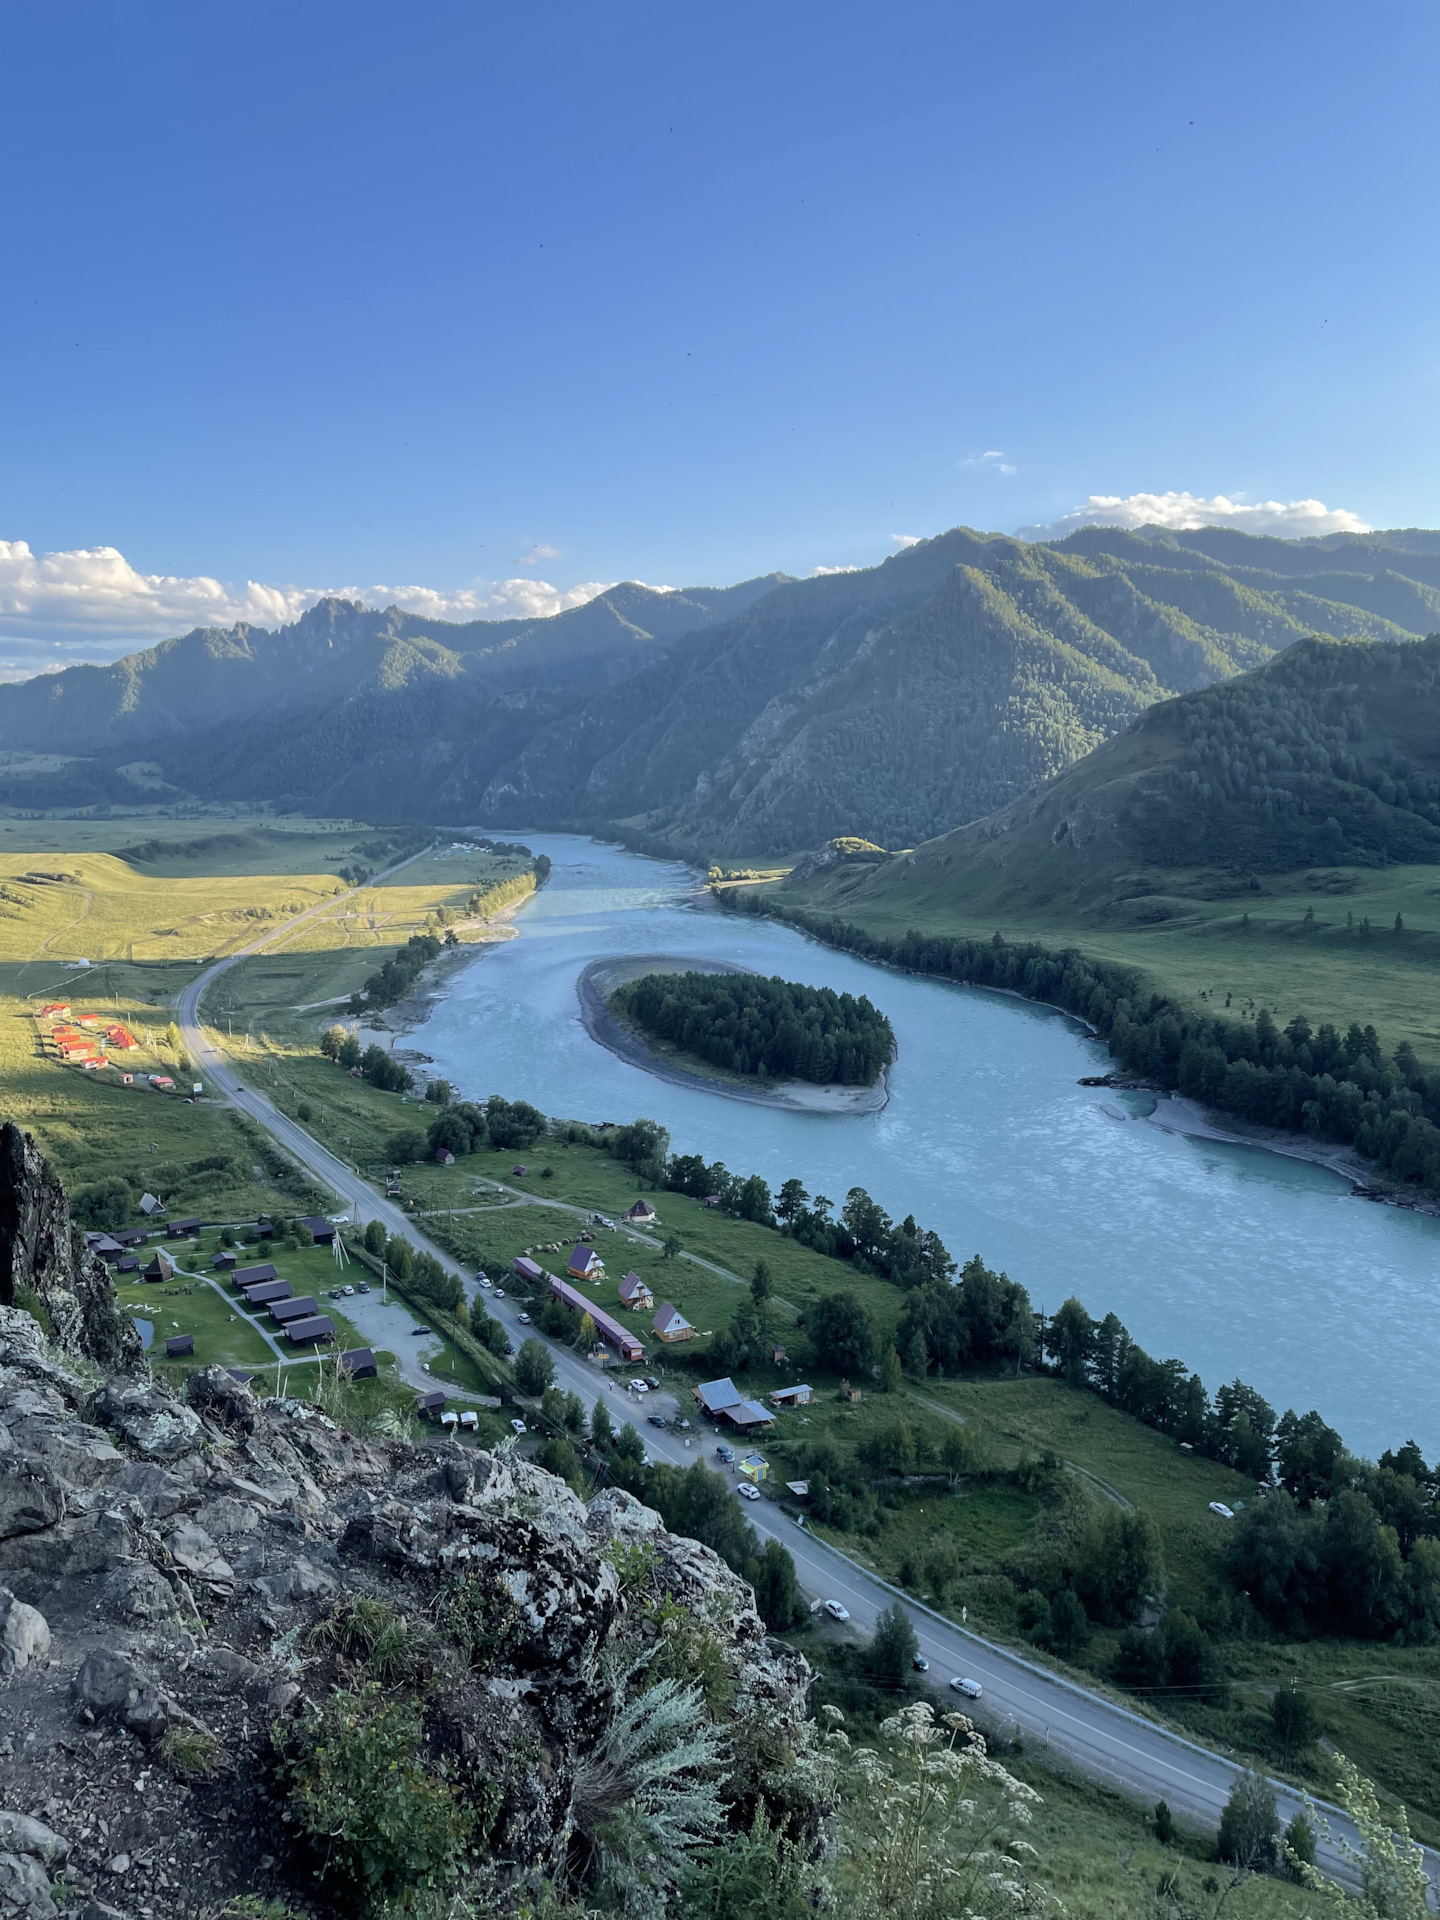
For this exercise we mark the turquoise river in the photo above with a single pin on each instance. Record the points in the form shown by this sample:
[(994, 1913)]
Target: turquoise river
[(1235, 1260)]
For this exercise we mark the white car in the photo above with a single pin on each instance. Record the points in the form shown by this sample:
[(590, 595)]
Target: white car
[(836, 1611), (516, 1426), (747, 1492), (499, 1293), (524, 1319), (1219, 1506), (487, 1284), (637, 1386), (971, 1689), (349, 1290)]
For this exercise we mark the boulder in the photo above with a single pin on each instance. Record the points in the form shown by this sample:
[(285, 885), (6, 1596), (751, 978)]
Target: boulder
[(24, 1888), (32, 1497), (194, 1552), (21, 1834), (135, 1590), (24, 1636)]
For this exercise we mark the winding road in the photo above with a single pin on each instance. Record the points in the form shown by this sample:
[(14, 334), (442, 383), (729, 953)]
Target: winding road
[(1103, 1738)]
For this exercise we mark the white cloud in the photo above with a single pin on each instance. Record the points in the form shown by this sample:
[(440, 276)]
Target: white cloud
[(537, 553), (907, 539), (992, 462), (816, 572), (91, 604), (1180, 512)]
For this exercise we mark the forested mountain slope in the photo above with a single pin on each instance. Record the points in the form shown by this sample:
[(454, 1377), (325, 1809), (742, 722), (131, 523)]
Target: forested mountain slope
[(1328, 755), (892, 702)]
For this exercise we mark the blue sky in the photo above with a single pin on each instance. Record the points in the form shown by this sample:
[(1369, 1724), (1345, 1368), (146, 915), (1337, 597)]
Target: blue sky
[(447, 295)]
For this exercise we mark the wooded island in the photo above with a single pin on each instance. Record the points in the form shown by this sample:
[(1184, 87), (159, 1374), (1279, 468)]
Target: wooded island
[(778, 1028)]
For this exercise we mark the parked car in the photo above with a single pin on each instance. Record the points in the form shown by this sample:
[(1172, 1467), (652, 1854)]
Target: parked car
[(524, 1319), (836, 1611), (363, 1287), (656, 1419), (652, 1382), (518, 1426), (920, 1663), (419, 1329), (727, 1454), (349, 1290), (1219, 1506), (636, 1386), (747, 1492), (971, 1689)]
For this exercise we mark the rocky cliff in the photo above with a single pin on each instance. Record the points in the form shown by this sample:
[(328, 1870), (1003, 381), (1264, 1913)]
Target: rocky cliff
[(44, 1257), (246, 1654)]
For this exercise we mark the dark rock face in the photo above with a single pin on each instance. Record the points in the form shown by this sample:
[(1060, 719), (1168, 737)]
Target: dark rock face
[(41, 1250), (176, 1573)]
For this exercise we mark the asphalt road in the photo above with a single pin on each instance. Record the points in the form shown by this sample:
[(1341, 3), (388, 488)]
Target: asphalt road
[(1105, 1740)]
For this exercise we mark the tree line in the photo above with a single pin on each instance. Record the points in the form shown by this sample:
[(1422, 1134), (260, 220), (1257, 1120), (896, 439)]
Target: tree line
[(745, 1024), (1340, 1087)]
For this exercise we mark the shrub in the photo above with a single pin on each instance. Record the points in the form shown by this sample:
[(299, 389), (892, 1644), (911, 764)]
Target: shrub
[(479, 1617), (190, 1752), (358, 1789), (375, 1636)]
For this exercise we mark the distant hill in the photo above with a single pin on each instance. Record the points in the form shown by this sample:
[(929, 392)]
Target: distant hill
[(890, 702), (1328, 755)]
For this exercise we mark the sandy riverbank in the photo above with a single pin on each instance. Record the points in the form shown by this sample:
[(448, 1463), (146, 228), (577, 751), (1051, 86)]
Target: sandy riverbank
[(600, 979)]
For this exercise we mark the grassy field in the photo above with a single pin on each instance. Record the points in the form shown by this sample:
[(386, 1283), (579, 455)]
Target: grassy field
[(146, 927), (1191, 937)]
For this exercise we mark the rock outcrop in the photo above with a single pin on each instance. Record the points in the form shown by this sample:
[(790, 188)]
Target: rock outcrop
[(43, 1254), (179, 1585)]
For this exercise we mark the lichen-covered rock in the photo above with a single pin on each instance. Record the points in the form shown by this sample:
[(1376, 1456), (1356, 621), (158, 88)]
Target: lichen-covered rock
[(155, 1424), (219, 1396)]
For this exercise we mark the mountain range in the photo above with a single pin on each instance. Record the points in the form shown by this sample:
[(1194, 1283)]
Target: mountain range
[(894, 702)]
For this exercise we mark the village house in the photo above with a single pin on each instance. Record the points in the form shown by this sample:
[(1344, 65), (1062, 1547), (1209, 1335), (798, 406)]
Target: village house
[(642, 1214), (359, 1363), (608, 1328), (790, 1397), (671, 1325), (267, 1291), (305, 1333), (635, 1294), (159, 1269), (320, 1230), (586, 1264), (244, 1277), (723, 1400), (283, 1312), (182, 1229), (178, 1344)]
